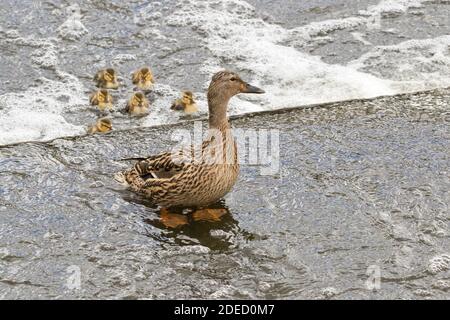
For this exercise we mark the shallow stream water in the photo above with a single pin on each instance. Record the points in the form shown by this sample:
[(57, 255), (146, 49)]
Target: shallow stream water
[(357, 208), (360, 203)]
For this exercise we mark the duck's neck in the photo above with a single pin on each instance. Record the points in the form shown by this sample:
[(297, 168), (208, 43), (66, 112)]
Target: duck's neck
[(217, 105)]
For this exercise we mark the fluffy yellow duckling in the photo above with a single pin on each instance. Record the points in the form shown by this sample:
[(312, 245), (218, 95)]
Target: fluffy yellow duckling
[(143, 79), (102, 125), (106, 79), (186, 103), (138, 104), (101, 98)]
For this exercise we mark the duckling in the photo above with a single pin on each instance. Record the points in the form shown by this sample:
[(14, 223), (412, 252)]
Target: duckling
[(101, 98), (102, 125), (143, 79), (186, 103), (138, 104), (106, 79), (172, 179)]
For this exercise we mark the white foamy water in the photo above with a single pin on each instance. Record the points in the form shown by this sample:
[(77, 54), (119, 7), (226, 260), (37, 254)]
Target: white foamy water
[(235, 33), (439, 263), (72, 29), (37, 113), (269, 55), (411, 65)]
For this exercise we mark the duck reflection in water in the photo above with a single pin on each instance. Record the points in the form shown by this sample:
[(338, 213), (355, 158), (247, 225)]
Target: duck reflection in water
[(213, 226), (179, 217)]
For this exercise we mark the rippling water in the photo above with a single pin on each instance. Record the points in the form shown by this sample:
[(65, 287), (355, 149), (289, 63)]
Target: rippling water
[(363, 186), (362, 196)]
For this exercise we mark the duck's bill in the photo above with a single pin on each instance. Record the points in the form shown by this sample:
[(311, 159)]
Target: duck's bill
[(252, 89)]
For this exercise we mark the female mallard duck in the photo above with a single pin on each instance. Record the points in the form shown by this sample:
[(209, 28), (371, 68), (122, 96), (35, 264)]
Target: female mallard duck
[(143, 79), (195, 177), (138, 104), (186, 103), (106, 79), (102, 125), (101, 98)]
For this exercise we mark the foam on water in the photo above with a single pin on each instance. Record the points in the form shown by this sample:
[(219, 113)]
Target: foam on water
[(412, 65), (290, 77), (72, 29), (371, 18), (45, 54), (37, 113), (391, 8), (235, 34), (439, 263), (266, 54)]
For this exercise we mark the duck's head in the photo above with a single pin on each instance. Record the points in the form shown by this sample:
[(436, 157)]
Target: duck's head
[(226, 84), (188, 97), (104, 96), (106, 78), (143, 78), (138, 99), (147, 75), (104, 125), (110, 75), (143, 75)]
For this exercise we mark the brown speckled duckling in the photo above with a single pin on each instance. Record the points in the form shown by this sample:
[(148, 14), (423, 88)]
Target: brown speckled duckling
[(143, 79), (101, 98), (186, 103), (173, 179), (138, 104), (106, 79), (102, 125)]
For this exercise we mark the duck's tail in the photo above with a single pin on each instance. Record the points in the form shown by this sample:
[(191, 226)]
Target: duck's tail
[(130, 179), (121, 179), (132, 158)]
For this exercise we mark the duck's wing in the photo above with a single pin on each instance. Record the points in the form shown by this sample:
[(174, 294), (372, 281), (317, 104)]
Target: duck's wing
[(149, 168), (164, 165), (161, 166), (159, 170)]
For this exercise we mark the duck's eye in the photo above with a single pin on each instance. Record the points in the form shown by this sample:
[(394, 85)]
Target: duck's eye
[(233, 79)]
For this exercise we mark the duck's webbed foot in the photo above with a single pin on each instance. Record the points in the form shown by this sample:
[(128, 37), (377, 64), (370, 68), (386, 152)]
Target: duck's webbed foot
[(173, 220), (211, 215)]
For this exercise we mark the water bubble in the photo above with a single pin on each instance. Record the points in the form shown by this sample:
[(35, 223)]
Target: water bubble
[(439, 263)]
